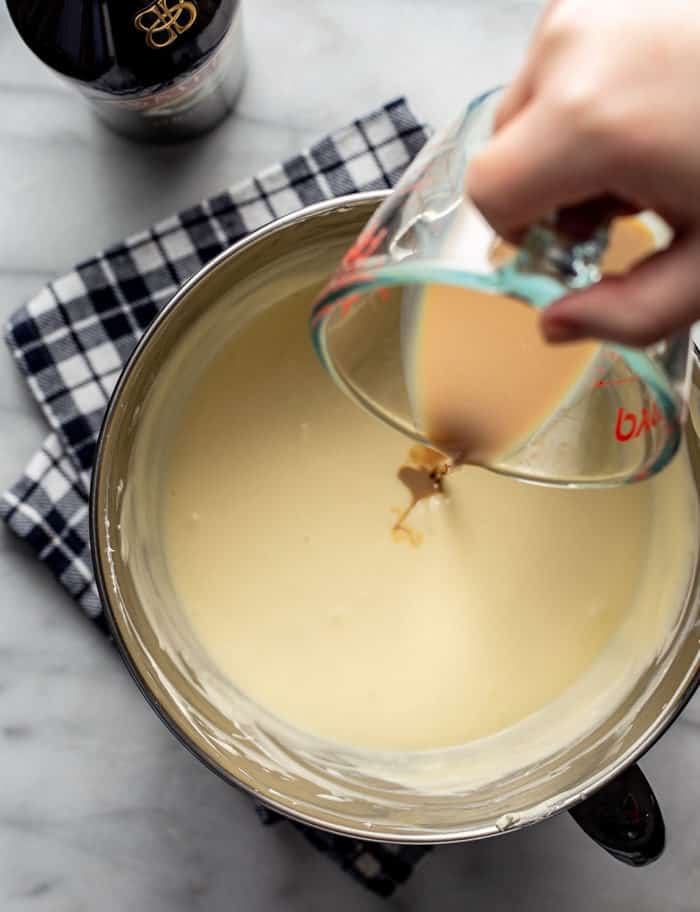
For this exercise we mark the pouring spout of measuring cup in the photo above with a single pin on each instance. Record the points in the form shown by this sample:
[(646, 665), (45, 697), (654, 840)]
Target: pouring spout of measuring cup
[(429, 327)]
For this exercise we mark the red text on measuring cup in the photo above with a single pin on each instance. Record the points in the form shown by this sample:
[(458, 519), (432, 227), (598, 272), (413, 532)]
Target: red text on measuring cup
[(630, 425)]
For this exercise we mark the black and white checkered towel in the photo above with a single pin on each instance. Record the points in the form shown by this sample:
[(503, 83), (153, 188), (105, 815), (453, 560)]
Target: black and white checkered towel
[(72, 340)]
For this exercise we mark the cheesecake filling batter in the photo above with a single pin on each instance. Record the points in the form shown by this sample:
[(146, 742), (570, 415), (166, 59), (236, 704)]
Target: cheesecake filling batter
[(491, 601)]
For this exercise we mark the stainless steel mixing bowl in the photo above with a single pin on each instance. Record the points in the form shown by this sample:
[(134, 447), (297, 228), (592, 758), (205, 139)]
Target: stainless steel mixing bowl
[(342, 790)]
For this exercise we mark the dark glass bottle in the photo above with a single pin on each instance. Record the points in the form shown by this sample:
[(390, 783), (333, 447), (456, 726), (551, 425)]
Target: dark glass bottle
[(154, 69)]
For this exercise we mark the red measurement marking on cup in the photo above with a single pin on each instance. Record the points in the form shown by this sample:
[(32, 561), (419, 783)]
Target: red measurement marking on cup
[(630, 425), (349, 273), (598, 384), (364, 247), (613, 360), (345, 304)]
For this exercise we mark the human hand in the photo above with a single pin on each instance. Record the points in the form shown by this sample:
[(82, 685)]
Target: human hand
[(607, 104)]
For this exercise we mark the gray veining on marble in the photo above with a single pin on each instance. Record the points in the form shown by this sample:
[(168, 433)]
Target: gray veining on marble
[(100, 809)]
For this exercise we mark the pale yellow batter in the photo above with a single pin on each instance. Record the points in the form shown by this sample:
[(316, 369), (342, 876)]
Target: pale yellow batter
[(279, 504)]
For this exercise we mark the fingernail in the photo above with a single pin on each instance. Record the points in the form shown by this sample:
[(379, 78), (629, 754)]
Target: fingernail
[(561, 330)]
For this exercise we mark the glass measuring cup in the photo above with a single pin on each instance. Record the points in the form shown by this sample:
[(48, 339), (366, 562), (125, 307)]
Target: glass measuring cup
[(604, 415)]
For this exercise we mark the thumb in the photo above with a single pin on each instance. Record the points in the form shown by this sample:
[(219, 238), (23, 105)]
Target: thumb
[(655, 299)]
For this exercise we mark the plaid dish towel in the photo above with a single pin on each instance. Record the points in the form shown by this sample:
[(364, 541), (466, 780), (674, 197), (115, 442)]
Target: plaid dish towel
[(72, 339)]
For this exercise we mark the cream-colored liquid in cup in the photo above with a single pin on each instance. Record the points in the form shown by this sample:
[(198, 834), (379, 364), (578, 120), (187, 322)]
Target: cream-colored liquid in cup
[(280, 499), (485, 379)]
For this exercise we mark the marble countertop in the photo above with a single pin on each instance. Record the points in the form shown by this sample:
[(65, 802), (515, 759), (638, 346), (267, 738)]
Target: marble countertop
[(100, 808)]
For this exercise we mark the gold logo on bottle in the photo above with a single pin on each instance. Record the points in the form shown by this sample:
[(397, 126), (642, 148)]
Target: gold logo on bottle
[(165, 20)]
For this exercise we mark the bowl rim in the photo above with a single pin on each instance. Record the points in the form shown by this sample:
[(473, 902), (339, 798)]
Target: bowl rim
[(536, 814)]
